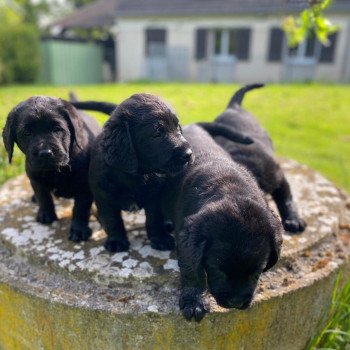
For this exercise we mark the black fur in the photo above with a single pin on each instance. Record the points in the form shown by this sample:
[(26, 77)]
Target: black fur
[(214, 130), (139, 146), (258, 157), (104, 107), (226, 235), (56, 140)]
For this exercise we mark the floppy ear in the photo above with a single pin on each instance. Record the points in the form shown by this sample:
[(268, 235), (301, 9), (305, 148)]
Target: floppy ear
[(276, 246), (118, 146), (75, 124), (8, 134)]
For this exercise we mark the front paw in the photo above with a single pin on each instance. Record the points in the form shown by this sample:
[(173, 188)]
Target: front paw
[(294, 225), (46, 217), (165, 242), (192, 304), (79, 232), (114, 246)]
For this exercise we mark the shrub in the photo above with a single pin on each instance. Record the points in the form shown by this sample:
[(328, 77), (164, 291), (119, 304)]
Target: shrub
[(19, 53)]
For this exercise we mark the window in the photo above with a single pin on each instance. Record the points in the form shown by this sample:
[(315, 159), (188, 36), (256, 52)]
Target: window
[(155, 42), (225, 42), (310, 49), (307, 49), (231, 42)]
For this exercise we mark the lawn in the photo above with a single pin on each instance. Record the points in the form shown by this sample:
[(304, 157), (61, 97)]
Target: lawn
[(309, 123)]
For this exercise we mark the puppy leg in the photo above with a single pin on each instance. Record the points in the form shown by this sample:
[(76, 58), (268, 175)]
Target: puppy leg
[(46, 213), (156, 233), (193, 281), (287, 209), (80, 230), (112, 222)]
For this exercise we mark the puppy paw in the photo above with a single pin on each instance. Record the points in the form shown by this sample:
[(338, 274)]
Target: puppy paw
[(192, 305), (114, 246), (294, 225), (46, 217), (79, 233), (165, 242)]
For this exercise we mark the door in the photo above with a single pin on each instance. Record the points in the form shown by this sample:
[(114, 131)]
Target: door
[(301, 61), (222, 48), (156, 58)]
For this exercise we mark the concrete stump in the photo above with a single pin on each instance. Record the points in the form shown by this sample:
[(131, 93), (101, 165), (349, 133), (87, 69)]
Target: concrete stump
[(56, 294)]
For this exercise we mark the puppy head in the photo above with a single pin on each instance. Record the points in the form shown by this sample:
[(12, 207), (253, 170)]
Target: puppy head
[(237, 245), (144, 135), (45, 129)]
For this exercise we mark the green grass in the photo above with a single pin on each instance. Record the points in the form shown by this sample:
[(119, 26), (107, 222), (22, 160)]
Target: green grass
[(309, 123), (336, 334)]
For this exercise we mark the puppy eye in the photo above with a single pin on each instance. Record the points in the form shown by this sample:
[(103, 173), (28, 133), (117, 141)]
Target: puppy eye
[(26, 133), (159, 132)]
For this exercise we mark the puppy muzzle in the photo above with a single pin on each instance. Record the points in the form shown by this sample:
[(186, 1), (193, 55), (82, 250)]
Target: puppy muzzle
[(47, 159), (230, 301)]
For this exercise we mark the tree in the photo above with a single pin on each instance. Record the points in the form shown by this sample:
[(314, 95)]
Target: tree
[(19, 45), (311, 19)]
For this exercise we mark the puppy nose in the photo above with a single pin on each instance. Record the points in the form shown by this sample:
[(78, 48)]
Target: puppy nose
[(45, 153), (187, 155)]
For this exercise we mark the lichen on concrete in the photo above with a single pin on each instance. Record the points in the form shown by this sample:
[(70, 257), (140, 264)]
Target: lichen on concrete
[(38, 265)]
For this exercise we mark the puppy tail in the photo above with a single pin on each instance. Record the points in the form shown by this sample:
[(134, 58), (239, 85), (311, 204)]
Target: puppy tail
[(104, 107), (219, 129), (237, 98), (72, 97)]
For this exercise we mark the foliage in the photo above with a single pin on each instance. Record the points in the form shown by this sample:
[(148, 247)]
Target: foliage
[(10, 13), (311, 19), (19, 53), (336, 334)]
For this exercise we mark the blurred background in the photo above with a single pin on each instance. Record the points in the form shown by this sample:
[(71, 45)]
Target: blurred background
[(83, 41)]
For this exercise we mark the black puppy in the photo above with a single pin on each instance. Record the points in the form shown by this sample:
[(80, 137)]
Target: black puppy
[(226, 235), (258, 158), (139, 146), (56, 140)]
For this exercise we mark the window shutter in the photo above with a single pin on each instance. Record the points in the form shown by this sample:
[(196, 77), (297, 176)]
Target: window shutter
[(243, 43), (276, 45), (154, 36), (327, 52), (201, 43)]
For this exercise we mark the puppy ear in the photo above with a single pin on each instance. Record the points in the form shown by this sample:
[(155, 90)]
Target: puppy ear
[(8, 134), (276, 247), (118, 146), (75, 124)]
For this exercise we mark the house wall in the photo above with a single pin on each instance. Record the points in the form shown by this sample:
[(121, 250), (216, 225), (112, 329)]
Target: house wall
[(181, 32), (335, 71)]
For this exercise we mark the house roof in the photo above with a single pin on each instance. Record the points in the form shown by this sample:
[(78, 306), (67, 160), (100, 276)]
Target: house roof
[(135, 8), (103, 12), (100, 13), (204, 7)]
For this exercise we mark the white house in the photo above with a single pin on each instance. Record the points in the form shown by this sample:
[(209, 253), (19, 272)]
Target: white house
[(220, 41)]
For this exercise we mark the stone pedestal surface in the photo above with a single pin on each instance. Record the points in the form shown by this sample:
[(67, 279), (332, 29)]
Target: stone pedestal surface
[(56, 294)]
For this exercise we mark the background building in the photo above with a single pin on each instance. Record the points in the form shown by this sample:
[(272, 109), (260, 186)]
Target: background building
[(215, 40)]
